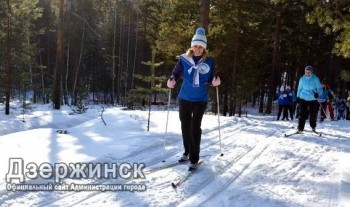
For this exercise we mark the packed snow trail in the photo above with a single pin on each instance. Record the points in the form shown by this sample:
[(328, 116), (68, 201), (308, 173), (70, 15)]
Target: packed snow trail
[(237, 153), (153, 155)]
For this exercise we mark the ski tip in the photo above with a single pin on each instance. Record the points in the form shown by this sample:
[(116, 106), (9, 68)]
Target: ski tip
[(62, 131)]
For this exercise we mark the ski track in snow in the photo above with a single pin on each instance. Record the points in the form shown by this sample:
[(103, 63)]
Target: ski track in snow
[(236, 156), (153, 155), (242, 163), (301, 175)]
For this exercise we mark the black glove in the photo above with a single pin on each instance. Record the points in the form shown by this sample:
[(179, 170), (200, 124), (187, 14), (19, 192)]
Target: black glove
[(316, 95)]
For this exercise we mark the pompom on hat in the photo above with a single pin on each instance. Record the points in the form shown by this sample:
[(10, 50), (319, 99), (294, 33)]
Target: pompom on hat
[(199, 38), (310, 68)]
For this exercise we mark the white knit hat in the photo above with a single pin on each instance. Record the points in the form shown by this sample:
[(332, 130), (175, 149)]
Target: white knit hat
[(199, 38), (282, 89)]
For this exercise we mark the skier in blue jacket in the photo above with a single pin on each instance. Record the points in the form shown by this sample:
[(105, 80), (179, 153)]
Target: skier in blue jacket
[(325, 99), (283, 98), (291, 100), (198, 72), (309, 89)]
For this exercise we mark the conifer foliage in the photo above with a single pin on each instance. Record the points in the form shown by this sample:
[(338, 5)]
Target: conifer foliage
[(77, 51)]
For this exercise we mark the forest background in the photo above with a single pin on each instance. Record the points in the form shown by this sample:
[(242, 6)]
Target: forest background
[(120, 52)]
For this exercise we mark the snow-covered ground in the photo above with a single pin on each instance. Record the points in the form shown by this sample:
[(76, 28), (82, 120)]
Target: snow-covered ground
[(260, 167)]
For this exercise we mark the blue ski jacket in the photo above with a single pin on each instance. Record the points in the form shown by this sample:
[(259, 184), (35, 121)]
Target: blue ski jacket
[(308, 86), (197, 74)]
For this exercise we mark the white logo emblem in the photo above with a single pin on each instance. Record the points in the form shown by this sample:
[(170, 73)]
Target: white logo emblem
[(203, 68)]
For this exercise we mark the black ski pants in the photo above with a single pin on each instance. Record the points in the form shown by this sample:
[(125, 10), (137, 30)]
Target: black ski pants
[(308, 108), (284, 109), (347, 113), (191, 114)]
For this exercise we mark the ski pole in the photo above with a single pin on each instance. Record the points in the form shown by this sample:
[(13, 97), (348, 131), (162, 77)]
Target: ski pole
[(217, 100), (323, 110), (167, 117)]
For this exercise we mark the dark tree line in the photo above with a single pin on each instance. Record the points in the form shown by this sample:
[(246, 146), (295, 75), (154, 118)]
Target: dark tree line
[(71, 51)]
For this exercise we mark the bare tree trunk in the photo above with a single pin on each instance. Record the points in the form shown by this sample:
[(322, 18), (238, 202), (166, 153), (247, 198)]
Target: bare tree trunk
[(78, 67), (225, 105), (272, 82), (42, 77), (65, 93), (120, 70), (31, 83), (204, 13), (233, 88), (32, 88), (8, 61), (113, 57), (262, 99), (135, 51), (127, 60), (48, 53), (60, 57)]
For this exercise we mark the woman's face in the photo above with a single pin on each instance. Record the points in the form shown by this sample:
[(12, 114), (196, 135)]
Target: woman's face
[(197, 50), (308, 73)]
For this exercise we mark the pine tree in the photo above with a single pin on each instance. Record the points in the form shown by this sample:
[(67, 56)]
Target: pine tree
[(154, 83)]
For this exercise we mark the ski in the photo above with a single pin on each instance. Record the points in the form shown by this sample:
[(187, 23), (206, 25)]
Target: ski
[(184, 177), (62, 131), (291, 134), (165, 166), (316, 132), (297, 132)]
